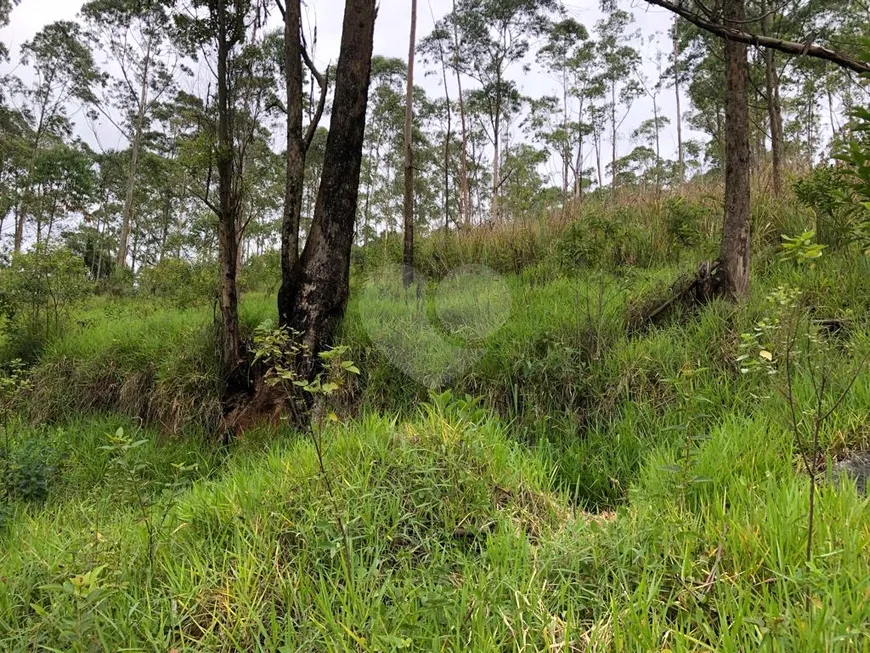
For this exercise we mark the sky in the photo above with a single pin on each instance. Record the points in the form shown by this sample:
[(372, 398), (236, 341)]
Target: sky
[(391, 39)]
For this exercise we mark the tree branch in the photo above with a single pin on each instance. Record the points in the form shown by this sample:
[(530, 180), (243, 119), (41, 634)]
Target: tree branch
[(789, 47), (323, 82)]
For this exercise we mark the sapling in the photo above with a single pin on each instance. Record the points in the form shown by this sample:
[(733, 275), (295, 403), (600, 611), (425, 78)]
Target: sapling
[(289, 366)]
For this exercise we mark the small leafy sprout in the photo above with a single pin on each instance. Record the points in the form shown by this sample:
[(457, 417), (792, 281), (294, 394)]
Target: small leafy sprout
[(801, 249)]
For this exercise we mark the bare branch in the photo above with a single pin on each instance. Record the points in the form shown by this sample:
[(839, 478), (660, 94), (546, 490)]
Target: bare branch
[(759, 41)]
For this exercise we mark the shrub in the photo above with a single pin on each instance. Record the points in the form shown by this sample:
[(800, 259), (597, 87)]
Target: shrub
[(184, 282), (38, 289)]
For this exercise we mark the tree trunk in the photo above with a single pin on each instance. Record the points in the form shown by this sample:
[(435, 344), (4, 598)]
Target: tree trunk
[(295, 157), (319, 285), (408, 254), (135, 147), (19, 228), (464, 192), (734, 254), (229, 205), (496, 155), (613, 134), (681, 161)]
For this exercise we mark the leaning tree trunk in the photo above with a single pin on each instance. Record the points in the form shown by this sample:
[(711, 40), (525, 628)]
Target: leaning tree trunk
[(319, 285), (734, 255), (408, 253), (295, 157)]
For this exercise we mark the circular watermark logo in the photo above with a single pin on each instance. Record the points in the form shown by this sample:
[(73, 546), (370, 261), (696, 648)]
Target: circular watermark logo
[(433, 331)]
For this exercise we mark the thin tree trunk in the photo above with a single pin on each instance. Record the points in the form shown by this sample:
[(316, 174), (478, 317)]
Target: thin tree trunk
[(135, 147), (319, 287), (681, 161), (613, 133), (464, 192), (229, 206), (447, 144), (408, 254), (295, 156), (735, 233), (496, 170), (774, 110)]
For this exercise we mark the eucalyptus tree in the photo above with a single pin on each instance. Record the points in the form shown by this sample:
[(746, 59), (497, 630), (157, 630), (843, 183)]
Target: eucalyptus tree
[(408, 146), (567, 53), (495, 35), (61, 182), (299, 138), (383, 146), (63, 72), (228, 34), (620, 61), (133, 36), (317, 296), (735, 29)]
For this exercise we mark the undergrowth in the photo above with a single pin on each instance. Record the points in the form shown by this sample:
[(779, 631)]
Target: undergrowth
[(518, 470)]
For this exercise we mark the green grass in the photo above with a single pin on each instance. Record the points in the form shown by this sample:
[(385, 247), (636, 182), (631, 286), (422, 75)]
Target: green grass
[(524, 475), (458, 543)]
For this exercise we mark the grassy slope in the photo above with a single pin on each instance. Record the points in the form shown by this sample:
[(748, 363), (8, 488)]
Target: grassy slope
[(468, 530)]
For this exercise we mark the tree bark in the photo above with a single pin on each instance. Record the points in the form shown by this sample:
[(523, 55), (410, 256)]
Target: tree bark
[(228, 207), (681, 161), (774, 111), (408, 253), (135, 147), (319, 285), (295, 156), (464, 192), (734, 256)]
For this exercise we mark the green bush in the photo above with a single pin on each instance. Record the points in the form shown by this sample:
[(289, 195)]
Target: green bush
[(37, 292), (184, 282)]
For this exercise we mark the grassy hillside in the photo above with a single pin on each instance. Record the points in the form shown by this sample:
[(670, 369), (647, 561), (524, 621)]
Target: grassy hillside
[(515, 469)]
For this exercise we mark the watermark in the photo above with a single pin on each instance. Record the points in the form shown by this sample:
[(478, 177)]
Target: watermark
[(434, 331)]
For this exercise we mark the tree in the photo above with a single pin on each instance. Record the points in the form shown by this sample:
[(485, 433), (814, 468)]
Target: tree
[(63, 70), (734, 254), (408, 253), (567, 53), (298, 141), (735, 249), (227, 31), (319, 289), (620, 61), (495, 35), (133, 34)]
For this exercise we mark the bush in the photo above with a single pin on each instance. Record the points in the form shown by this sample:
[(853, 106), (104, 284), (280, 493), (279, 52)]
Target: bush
[(184, 282), (37, 292)]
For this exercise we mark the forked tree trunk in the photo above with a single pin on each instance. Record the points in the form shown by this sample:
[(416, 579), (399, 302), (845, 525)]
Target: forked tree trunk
[(408, 254), (318, 289), (734, 255)]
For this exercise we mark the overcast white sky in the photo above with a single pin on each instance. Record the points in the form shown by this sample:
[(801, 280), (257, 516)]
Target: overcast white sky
[(391, 34)]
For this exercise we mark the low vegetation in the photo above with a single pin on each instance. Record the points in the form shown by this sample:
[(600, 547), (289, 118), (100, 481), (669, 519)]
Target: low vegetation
[(579, 486)]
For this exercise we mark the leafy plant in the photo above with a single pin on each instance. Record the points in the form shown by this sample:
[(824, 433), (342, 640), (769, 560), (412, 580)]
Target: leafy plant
[(290, 368), (130, 474), (690, 400), (801, 249), (39, 288)]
